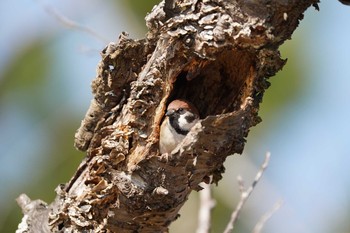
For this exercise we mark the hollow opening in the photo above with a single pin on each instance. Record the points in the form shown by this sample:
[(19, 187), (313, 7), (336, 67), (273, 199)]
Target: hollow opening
[(220, 86)]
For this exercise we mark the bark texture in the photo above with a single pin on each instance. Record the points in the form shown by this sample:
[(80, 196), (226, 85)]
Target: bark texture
[(218, 54)]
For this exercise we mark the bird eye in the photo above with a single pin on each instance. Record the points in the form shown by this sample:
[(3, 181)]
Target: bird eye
[(180, 110)]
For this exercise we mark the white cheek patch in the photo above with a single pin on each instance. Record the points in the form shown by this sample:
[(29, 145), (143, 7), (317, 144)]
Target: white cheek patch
[(184, 124)]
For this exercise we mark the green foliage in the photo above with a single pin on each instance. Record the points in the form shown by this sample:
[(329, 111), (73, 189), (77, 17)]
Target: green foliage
[(140, 8), (22, 83), (286, 86), (28, 70), (23, 86)]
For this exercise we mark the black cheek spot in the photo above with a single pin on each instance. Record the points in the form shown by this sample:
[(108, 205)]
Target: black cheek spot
[(190, 118), (174, 122)]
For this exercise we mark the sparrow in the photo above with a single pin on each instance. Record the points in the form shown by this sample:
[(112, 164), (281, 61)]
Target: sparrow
[(180, 117)]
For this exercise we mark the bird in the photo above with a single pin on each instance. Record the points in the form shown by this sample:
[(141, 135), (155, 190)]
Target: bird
[(180, 117)]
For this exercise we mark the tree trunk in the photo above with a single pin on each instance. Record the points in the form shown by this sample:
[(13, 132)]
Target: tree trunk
[(218, 54)]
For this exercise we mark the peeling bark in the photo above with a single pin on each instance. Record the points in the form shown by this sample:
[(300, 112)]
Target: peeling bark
[(218, 55)]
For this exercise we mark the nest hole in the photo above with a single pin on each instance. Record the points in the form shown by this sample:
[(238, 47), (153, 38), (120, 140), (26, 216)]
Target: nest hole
[(219, 86)]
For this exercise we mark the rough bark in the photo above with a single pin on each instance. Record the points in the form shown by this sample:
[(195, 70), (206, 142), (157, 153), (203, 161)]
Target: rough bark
[(216, 53)]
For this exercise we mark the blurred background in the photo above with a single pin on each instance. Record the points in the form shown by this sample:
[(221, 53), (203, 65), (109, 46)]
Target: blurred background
[(46, 68)]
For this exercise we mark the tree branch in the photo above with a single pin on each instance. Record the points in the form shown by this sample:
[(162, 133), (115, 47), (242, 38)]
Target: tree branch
[(207, 203), (64, 20), (218, 55), (259, 226), (245, 194)]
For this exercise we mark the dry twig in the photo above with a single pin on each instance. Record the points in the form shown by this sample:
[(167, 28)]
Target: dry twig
[(259, 226), (246, 193), (207, 203), (71, 23)]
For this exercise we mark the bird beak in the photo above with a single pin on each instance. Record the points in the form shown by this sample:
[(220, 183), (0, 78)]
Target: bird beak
[(169, 112)]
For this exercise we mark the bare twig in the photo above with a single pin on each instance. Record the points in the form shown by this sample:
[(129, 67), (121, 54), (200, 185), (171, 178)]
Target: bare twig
[(71, 23), (259, 226), (246, 193), (207, 203), (240, 183)]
